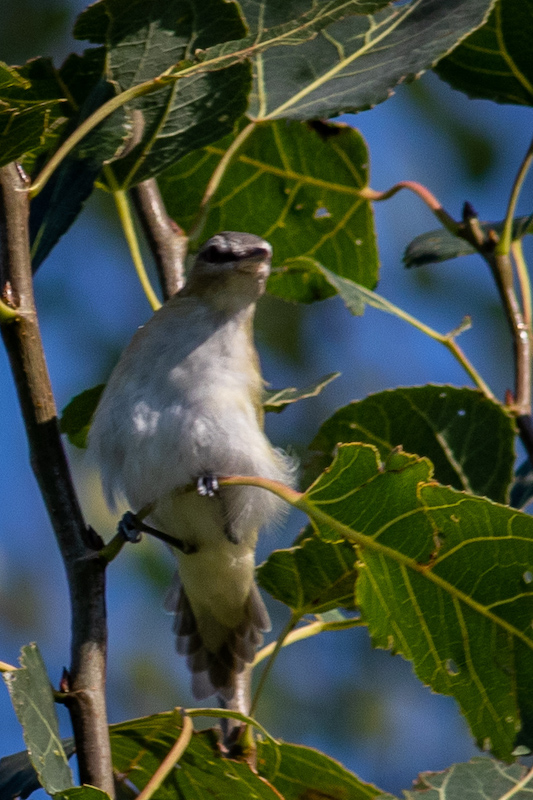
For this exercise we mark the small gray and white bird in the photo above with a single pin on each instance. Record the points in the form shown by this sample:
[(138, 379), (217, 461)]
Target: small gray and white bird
[(184, 405)]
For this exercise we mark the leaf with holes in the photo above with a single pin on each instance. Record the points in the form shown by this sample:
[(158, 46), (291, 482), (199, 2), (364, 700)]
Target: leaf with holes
[(444, 578), (296, 185), (447, 425), (494, 62)]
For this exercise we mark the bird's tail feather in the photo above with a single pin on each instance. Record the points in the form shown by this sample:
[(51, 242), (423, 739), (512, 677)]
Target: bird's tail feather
[(219, 671)]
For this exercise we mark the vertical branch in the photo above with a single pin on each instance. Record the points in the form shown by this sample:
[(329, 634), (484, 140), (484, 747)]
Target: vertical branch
[(77, 543), (166, 239)]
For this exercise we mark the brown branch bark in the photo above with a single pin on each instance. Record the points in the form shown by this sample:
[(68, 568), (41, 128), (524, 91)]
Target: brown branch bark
[(166, 239), (78, 544)]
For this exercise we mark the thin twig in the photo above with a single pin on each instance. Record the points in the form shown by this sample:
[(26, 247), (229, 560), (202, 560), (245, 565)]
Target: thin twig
[(166, 239), (523, 280), (270, 663), (504, 245), (91, 122), (86, 575), (312, 629), (170, 760)]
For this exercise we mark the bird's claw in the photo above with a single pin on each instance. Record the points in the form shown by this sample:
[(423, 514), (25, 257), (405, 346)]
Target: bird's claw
[(130, 527), (207, 486)]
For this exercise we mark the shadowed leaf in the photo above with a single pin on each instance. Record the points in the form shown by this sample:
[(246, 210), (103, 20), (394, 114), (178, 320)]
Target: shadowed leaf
[(312, 578), (446, 424), (441, 245), (494, 62)]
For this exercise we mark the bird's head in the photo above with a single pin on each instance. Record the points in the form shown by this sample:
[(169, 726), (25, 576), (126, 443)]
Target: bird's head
[(233, 266)]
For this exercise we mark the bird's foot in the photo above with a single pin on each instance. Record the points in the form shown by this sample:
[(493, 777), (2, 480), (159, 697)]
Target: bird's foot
[(207, 486), (132, 528)]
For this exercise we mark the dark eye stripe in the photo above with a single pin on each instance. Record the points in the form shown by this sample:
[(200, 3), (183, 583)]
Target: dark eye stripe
[(215, 255)]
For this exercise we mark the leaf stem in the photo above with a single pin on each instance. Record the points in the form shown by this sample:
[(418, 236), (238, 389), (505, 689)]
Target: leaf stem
[(227, 714), (421, 191), (504, 245), (7, 314), (216, 179), (126, 220), (273, 655), (312, 629), (170, 760), (91, 122)]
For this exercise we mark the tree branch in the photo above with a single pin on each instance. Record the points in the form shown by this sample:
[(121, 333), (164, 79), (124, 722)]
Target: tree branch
[(78, 543), (167, 240)]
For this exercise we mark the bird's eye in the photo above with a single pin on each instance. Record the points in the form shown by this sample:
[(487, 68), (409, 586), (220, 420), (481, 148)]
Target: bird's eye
[(217, 256)]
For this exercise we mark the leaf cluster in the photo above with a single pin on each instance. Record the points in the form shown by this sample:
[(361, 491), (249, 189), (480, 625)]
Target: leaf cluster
[(412, 534)]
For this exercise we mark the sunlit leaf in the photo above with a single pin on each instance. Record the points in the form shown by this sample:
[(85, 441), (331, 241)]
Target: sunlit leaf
[(33, 701), (296, 185), (479, 779), (494, 62), (447, 424), (444, 579), (33, 109)]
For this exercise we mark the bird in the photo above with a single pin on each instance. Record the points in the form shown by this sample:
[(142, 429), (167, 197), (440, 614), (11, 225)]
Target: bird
[(182, 408)]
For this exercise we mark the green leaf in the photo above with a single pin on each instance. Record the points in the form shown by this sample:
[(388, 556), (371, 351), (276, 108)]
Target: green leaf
[(278, 399), (446, 424), (82, 793), (77, 415), (494, 62), (33, 109), (139, 746), (56, 207), (33, 701), (522, 488), (353, 60), (297, 186), (444, 579), (143, 41), (292, 771), (479, 779), (440, 245), (311, 578), (301, 772)]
